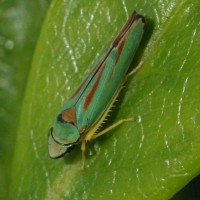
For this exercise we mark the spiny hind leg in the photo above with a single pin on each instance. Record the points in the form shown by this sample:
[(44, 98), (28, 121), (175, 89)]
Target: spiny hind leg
[(95, 135), (92, 135)]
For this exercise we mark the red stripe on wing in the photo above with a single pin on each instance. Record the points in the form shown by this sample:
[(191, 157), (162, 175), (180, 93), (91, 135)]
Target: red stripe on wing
[(90, 96), (86, 80), (120, 48)]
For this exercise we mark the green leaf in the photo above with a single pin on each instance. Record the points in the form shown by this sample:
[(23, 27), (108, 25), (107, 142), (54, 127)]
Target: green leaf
[(151, 158)]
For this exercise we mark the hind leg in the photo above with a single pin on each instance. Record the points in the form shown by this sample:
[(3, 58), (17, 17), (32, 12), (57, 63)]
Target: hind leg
[(121, 121)]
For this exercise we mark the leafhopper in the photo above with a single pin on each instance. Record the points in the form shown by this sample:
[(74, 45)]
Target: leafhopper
[(79, 119)]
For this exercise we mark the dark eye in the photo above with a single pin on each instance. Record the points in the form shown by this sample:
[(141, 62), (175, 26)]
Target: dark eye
[(70, 148)]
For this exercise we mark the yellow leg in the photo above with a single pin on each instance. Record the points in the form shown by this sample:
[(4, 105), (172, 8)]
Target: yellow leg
[(94, 136), (135, 70), (83, 148)]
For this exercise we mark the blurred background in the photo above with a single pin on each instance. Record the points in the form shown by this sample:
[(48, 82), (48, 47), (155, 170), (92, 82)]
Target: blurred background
[(20, 24)]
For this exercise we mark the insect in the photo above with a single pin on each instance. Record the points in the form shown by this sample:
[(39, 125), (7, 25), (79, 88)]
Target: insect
[(79, 119)]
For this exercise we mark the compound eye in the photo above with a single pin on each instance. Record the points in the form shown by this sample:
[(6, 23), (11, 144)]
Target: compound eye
[(70, 148)]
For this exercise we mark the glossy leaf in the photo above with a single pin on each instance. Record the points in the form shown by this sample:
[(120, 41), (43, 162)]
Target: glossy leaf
[(151, 158)]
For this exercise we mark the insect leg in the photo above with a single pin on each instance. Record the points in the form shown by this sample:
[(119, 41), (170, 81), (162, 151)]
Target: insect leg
[(135, 70), (94, 136), (83, 148)]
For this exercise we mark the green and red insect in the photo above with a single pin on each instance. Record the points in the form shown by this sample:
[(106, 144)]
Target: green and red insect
[(79, 119)]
